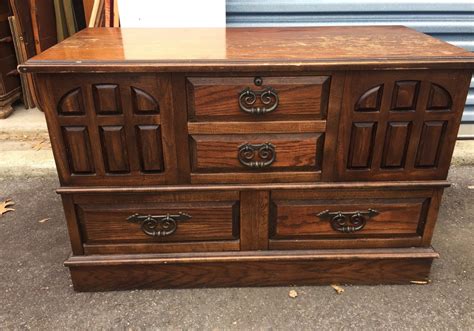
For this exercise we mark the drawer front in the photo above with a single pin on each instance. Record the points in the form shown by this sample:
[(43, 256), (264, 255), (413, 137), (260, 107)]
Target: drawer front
[(256, 154), (257, 98), (135, 223), (348, 219)]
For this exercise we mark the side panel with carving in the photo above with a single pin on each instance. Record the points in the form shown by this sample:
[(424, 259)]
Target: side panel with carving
[(399, 125), (108, 129)]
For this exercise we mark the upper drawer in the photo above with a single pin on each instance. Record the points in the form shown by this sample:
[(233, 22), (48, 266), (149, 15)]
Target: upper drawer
[(257, 98)]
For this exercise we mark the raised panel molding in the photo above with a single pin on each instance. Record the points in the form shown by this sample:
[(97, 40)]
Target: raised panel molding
[(439, 98), (396, 144), (370, 100), (114, 149), (149, 147), (78, 149), (143, 103), (107, 99), (405, 95), (71, 103), (431, 141), (361, 145)]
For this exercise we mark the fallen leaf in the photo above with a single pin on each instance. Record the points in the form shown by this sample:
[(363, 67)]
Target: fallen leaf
[(44, 220), (471, 187), (4, 206), (293, 294), (337, 288), (420, 282)]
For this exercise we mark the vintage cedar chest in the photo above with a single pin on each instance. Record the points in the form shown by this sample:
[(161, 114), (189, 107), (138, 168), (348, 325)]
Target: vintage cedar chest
[(252, 156)]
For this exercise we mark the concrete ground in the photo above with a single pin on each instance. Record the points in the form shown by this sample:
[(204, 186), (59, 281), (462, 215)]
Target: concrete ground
[(36, 292)]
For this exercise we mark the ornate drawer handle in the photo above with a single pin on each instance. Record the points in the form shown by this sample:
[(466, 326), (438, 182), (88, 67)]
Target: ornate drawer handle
[(158, 225), (249, 152), (348, 222), (248, 97)]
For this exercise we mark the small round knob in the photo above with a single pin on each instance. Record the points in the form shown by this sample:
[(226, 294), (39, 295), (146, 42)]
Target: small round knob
[(258, 81)]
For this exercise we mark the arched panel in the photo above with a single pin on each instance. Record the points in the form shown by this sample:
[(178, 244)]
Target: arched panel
[(71, 103), (370, 100), (144, 103), (439, 98)]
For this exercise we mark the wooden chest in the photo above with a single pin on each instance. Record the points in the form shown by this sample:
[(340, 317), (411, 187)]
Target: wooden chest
[(251, 157)]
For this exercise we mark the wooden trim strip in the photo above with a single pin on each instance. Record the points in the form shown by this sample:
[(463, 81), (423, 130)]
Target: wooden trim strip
[(256, 127), (258, 187), (335, 243), (201, 66), (215, 257), (159, 248)]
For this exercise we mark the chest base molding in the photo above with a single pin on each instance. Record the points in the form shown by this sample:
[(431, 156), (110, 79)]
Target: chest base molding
[(260, 268)]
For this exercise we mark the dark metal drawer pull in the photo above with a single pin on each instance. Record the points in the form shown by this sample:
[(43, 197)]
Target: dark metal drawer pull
[(348, 222), (248, 97), (158, 225), (248, 153)]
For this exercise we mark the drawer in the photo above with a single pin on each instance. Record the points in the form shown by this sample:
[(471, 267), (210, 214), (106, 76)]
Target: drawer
[(256, 155), (257, 98), (348, 218), (166, 222)]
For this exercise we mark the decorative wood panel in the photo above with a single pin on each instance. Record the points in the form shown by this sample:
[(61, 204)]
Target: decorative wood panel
[(78, 149), (370, 100), (149, 147), (143, 102), (114, 149), (431, 140), (129, 138), (403, 131), (438, 98), (107, 99), (71, 103), (405, 95), (396, 144), (361, 145)]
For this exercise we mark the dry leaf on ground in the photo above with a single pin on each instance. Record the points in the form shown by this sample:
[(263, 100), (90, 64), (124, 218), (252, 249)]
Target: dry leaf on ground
[(420, 282), (337, 288), (4, 206), (292, 294), (44, 220)]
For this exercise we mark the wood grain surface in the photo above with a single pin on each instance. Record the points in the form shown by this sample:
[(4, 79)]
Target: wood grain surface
[(395, 266), (295, 48)]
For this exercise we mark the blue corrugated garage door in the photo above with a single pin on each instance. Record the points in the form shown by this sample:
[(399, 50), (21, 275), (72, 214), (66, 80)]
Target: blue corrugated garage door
[(452, 21)]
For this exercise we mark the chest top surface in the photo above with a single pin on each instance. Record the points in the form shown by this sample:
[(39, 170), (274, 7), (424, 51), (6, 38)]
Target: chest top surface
[(110, 49)]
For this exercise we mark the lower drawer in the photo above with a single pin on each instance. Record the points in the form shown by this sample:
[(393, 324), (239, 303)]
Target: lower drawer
[(164, 222), (351, 218)]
